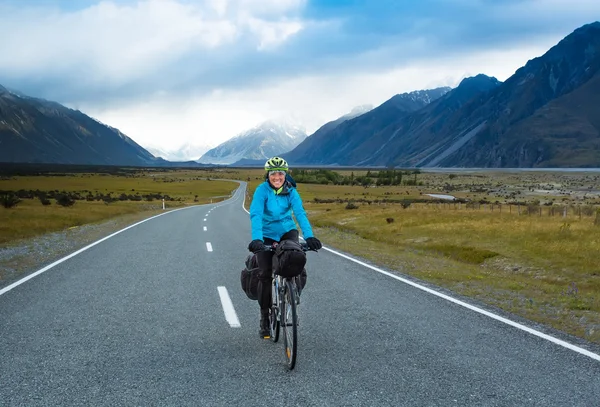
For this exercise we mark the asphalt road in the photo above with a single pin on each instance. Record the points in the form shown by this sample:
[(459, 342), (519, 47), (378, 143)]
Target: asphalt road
[(137, 320)]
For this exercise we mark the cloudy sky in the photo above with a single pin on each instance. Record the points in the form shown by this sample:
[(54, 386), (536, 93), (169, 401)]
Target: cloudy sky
[(169, 72)]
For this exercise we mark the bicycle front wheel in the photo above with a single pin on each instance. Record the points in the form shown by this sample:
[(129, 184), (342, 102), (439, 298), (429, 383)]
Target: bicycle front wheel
[(289, 322), (274, 312)]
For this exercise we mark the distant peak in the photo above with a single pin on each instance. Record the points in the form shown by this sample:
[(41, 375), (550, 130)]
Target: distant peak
[(361, 109), (479, 78), (426, 96), (281, 123)]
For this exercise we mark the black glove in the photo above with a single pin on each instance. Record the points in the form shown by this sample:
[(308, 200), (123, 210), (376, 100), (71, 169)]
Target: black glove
[(313, 243), (256, 245)]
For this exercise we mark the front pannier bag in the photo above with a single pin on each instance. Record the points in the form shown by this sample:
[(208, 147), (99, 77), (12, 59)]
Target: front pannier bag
[(249, 277), (289, 259)]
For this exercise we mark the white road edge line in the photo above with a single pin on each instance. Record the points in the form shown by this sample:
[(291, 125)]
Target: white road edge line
[(476, 309), (228, 309), (469, 306), (209, 246), (57, 262)]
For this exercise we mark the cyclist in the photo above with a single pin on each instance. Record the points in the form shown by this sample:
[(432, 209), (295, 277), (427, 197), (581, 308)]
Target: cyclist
[(271, 219)]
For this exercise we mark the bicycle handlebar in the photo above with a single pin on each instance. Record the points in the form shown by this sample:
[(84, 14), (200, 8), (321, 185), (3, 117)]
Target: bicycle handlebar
[(305, 248)]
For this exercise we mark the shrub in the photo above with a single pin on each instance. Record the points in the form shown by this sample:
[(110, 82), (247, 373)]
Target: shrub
[(45, 201), (351, 205), (389, 220), (65, 200), (9, 200)]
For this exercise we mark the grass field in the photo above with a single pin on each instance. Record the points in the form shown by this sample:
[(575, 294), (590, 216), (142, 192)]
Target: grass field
[(528, 242), (30, 217)]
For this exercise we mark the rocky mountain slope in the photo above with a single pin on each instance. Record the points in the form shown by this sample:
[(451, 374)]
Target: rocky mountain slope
[(39, 131)]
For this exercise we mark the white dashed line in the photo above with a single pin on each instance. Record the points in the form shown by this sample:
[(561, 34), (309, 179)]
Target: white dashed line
[(205, 228), (228, 309), (204, 219), (208, 246)]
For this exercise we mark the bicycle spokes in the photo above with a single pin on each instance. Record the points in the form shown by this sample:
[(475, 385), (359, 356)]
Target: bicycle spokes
[(289, 324)]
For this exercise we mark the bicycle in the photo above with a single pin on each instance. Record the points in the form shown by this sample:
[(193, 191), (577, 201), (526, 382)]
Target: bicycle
[(283, 313)]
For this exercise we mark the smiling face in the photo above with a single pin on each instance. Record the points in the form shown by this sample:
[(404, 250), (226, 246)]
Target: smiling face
[(276, 178)]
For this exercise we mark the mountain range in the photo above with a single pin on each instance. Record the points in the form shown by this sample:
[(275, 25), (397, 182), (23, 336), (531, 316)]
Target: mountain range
[(39, 131), (545, 115)]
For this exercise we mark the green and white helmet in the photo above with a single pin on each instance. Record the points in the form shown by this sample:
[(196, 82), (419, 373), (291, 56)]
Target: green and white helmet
[(276, 164)]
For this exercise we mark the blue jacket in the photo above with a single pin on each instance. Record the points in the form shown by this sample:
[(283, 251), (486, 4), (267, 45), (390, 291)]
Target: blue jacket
[(271, 213)]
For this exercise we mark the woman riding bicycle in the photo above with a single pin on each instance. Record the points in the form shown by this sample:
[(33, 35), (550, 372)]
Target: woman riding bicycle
[(271, 219)]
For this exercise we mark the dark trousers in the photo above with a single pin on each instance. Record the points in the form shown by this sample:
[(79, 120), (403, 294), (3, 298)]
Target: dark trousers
[(265, 263)]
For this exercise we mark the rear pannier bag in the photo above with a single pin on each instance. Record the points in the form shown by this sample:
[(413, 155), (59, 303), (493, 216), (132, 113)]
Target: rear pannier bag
[(249, 277), (289, 259)]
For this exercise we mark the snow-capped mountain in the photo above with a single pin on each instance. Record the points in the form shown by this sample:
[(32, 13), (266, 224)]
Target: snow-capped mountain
[(357, 111), (259, 143), (186, 152)]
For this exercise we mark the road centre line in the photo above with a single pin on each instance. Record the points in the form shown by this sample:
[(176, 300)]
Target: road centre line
[(208, 246), (228, 309), (205, 228), (522, 327)]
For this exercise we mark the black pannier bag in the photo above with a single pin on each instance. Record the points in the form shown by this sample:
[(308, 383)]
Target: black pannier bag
[(289, 259), (249, 277), (301, 280)]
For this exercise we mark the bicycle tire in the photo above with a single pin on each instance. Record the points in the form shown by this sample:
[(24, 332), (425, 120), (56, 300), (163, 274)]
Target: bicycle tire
[(274, 314), (289, 322)]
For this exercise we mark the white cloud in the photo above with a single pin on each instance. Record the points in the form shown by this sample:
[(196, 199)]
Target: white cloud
[(169, 122), (274, 33), (119, 43)]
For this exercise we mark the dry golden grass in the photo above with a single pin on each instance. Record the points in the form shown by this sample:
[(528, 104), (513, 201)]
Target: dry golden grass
[(544, 268), (30, 218)]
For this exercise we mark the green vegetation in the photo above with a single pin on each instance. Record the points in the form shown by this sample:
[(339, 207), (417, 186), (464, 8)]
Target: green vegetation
[(382, 177)]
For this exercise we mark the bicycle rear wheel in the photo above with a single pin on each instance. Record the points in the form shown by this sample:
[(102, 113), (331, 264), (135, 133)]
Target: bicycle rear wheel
[(289, 322), (274, 312)]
